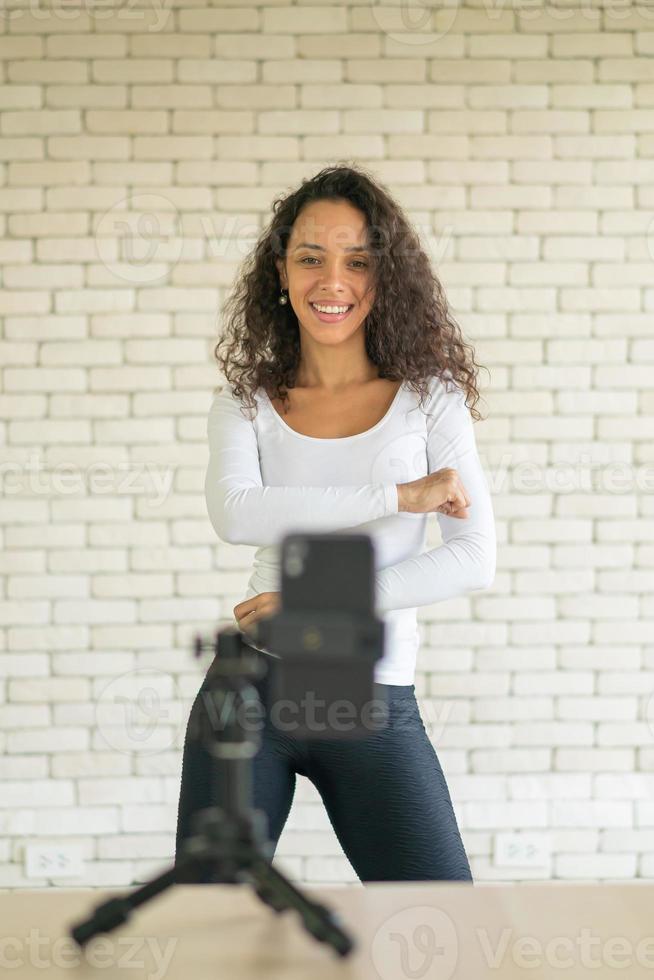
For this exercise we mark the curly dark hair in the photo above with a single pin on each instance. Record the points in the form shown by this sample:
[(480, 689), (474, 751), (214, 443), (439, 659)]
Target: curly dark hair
[(410, 333)]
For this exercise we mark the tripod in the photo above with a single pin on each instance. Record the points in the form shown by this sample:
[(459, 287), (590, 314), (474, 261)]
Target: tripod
[(233, 837)]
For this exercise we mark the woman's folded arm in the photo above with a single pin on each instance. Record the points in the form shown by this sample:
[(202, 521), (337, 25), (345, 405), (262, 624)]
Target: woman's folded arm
[(244, 511), (466, 559)]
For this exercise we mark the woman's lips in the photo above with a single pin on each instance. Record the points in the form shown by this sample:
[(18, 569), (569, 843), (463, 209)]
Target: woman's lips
[(331, 317)]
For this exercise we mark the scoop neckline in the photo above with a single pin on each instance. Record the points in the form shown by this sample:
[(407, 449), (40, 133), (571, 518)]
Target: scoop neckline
[(357, 435)]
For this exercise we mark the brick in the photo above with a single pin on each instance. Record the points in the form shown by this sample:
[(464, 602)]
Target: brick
[(623, 121), (34, 740), (494, 814), (21, 97), (28, 148), (209, 21), (590, 96), (466, 121), (592, 813), (595, 866), (12, 46), (513, 709), (341, 96), (264, 97), (287, 70), (320, 147), (594, 759), (178, 147), (21, 717), (591, 45), (85, 46), (136, 846), (88, 96), (473, 735), (371, 69), (549, 786), (624, 733), (17, 353), (257, 148), (215, 71), (43, 71), (36, 174), (128, 120), (475, 685), (510, 96), (511, 196), (130, 790), (41, 122), (316, 20), (147, 818), (176, 45), (594, 146), (21, 767), (625, 681), (554, 734), (38, 793), (259, 46), (507, 46), (94, 611), (597, 708), (153, 70), (631, 69)]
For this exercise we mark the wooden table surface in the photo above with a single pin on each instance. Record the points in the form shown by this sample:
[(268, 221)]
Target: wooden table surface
[(402, 931)]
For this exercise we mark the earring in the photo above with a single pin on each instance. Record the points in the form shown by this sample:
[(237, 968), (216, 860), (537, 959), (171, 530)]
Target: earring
[(283, 300)]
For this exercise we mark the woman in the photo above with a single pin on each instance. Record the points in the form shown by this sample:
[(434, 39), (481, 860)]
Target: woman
[(340, 337)]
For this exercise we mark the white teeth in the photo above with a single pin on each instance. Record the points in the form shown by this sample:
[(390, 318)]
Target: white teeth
[(331, 309)]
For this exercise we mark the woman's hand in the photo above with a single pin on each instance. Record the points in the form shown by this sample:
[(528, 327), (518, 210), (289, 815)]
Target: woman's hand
[(441, 491), (258, 607)]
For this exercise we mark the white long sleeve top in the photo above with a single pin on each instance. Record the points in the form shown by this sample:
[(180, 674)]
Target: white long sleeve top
[(264, 480)]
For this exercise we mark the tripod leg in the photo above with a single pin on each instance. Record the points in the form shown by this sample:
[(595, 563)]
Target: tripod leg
[(108, 915), (268, 897), (276, 890)]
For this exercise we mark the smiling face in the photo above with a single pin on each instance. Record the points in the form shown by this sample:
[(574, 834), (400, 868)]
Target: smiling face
[(327, 263)]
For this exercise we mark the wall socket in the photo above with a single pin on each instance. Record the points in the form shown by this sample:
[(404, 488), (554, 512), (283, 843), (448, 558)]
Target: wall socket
[(53, 861), (522, 850)]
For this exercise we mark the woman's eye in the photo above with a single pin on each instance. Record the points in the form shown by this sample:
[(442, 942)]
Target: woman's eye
[(314, 259)]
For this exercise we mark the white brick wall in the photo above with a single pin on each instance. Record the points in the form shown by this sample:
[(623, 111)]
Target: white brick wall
[(520, 140)]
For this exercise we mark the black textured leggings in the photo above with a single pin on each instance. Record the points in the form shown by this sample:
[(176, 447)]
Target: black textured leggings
[(385, 794)]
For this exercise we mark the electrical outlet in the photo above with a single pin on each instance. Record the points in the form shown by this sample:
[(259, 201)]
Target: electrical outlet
[(53, 861), (522, 850)]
